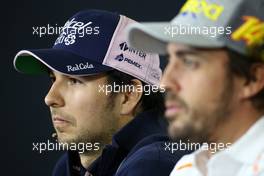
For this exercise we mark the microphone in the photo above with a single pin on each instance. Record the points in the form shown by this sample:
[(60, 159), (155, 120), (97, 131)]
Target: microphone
[(55, 136)]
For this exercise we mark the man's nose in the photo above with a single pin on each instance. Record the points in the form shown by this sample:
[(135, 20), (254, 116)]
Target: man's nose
[(169, 80), (54, 98)]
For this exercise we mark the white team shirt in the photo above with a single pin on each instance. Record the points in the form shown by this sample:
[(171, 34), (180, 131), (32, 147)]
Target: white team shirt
[(244, 158)]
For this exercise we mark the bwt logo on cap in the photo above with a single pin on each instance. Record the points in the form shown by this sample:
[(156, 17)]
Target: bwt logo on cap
[(73, 29)]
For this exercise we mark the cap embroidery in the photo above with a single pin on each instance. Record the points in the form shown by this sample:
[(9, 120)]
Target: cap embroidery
[(210, 11)]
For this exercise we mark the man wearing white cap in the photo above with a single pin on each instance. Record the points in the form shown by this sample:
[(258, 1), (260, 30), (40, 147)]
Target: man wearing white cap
[(214, 82)]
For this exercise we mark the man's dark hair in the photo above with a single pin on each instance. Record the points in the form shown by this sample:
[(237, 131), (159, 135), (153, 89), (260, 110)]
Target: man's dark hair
[(241, 65), (154, 100)]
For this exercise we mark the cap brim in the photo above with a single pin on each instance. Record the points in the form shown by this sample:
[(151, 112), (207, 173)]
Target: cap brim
[(40, 61), (154, 37)]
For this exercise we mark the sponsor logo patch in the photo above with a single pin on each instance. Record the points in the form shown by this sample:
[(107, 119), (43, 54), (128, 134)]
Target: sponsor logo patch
[(251, 31), (74, 29), (209, 10), (80, 66), (121, 58), (124, 47)]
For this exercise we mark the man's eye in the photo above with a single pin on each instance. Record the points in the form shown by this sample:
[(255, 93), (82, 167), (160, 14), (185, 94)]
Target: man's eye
[(190, 63), (74, 81)]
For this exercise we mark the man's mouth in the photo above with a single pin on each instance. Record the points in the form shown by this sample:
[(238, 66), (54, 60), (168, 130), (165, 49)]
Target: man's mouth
[(172, 110), (60, 121)]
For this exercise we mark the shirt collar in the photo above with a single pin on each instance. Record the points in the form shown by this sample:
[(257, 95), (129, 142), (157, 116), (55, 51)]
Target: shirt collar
[(245, 150), (250, 145)]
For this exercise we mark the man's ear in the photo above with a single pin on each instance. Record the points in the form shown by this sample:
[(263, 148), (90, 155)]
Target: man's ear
[(255, 85), (131, 98)]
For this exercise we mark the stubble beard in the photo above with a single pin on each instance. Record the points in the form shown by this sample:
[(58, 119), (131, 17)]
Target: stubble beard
[(201, 132)]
